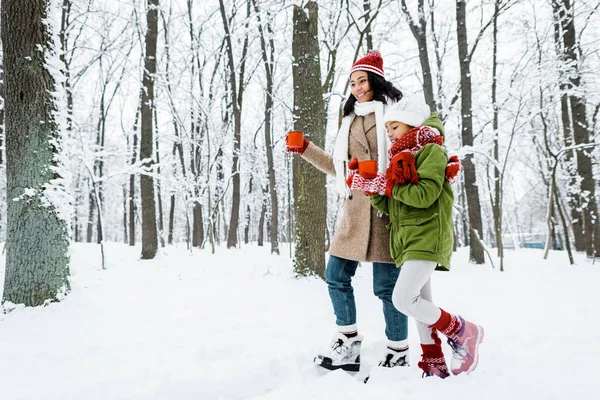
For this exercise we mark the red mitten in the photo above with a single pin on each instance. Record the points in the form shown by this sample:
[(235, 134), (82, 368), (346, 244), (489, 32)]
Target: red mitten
[(296, 150), (369, 186), (353, 165), (406, 162), (389, 185), (394, 172), (352, 170), (350, 178), (452, 169)]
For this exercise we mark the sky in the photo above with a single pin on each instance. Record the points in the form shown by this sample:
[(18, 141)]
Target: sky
[(237, 324)]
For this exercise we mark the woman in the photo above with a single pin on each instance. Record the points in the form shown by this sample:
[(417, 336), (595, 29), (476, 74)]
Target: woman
[(361, 234)]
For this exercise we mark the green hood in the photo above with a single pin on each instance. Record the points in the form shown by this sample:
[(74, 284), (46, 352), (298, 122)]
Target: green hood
[(434, 122)]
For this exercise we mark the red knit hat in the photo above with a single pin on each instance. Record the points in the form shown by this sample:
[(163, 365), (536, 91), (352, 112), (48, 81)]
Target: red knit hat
[(372, 62)]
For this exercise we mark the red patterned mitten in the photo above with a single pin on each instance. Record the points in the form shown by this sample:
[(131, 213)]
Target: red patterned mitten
[(369, 186), (352, 170), (452, 169)]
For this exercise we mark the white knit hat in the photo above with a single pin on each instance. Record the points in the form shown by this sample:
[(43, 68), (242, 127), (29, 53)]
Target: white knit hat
[(409, 110)]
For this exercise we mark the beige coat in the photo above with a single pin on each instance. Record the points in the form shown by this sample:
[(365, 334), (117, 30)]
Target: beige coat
[(361, 234)]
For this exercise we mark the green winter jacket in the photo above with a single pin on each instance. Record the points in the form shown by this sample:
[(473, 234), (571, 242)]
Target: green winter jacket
[(421, 213)]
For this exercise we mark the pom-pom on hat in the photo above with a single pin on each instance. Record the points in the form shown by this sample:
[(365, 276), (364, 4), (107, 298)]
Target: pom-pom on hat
[(372, 62), (410, 110)]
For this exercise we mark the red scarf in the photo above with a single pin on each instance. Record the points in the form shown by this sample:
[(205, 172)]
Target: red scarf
[(414, 140)]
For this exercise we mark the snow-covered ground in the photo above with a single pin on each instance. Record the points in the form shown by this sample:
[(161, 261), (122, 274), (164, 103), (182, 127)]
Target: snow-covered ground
[(237, 325)]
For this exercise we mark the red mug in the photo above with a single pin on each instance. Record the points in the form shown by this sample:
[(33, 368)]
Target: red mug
[(295, 139), (367, 169)]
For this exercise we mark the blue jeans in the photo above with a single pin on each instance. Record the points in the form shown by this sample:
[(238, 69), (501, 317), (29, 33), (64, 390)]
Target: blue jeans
[(338, 275)]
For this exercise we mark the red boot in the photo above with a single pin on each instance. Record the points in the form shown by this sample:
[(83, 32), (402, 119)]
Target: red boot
[(433, 362)]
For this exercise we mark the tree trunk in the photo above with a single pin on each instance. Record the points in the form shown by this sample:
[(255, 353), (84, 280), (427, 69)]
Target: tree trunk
[(125, 238), (171, 218), (310, 194), (198, 225), (261, 220), (476, 254), (161, 227), (367, 16), (269, 62), (92, 208), (131, 198), (237, 93), (581, 134), (419, 32), (574, 197), (99, 166), (497, 203), (248, 220), (149, 234), (37, 242)]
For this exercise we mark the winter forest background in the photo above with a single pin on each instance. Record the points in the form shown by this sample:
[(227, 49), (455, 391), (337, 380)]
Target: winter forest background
[(171, 117), (147, 203)]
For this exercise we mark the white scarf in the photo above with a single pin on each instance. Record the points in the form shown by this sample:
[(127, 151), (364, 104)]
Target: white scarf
[(340, 150)]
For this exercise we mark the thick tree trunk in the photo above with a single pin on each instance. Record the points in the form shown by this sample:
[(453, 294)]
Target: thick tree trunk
[(37, 243), (149, 234), (470, 177), (581, 133), (198, 225), (574, 197), (310, 194)]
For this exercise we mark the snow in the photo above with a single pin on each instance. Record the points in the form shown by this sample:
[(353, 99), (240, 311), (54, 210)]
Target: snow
[(237, 325)]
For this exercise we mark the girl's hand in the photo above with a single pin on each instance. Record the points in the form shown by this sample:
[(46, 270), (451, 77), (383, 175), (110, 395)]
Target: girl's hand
[(402, 168)]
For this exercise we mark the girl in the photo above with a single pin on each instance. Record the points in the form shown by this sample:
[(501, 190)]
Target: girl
[(415, 192)]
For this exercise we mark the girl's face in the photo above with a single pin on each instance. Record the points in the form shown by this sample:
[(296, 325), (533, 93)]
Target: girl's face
[(396, 129), (360, 86)]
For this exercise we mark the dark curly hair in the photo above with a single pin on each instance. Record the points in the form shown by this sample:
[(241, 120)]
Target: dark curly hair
[(380, 87)]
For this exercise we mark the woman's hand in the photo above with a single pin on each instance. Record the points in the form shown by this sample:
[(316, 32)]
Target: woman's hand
[(373, 186), (296, 150)]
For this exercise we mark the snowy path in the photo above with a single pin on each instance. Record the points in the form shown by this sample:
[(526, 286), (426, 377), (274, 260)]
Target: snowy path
[(207, 327)]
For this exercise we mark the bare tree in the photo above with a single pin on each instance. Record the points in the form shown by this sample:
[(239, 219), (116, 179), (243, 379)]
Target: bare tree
[(268, 57), (476, 254), (37, 243), (310, 195), (237, 95), (587, 231), (149, 233), (419, 31)]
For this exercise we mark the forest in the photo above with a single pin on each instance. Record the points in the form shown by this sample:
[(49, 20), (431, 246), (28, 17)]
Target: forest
[(156, 122)]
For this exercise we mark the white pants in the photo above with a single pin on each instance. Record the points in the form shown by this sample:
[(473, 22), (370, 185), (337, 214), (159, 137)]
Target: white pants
[(412, 296)]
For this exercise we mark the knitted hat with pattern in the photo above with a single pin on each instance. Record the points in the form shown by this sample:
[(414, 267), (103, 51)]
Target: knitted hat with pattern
[(372, 62)]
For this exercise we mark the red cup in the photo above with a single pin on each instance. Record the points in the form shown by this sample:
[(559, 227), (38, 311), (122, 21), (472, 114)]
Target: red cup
[(367, 169), (295, 139)]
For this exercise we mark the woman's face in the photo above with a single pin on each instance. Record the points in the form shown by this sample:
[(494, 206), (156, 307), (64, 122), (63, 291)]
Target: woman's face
[(360, 86)]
